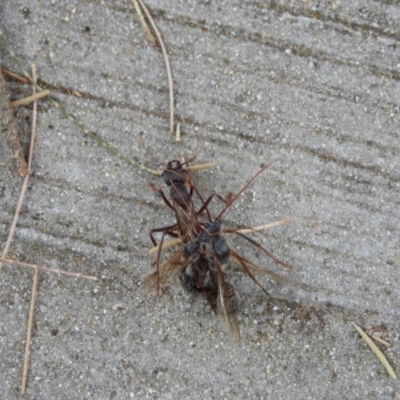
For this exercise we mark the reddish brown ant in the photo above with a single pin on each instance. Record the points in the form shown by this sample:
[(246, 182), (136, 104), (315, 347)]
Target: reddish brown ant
[(199, 262), (187, 226)]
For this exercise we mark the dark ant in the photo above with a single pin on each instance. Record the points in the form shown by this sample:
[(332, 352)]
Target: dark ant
[(175, 176), (199, 262), (212, 230), (187, 226), (219, 246)]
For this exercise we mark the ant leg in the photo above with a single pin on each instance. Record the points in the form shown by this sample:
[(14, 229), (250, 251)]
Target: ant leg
[(233, 199), (258, 245), (161, 193), (167, 229), (243, 265), (207, 202), (157, 262)]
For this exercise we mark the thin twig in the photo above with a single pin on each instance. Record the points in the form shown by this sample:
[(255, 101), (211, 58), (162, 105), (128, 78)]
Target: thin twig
[(164, 51), (24, 186), (263, 227), (36, 274), (9, 127), (380, 340), (30, 99), (29, 331), (14, 76), (33, 135), (376, 351), (145, 26), (56, 271)]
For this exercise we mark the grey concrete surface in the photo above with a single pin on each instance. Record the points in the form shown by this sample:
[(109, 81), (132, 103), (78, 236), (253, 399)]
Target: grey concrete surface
[(312, 86)]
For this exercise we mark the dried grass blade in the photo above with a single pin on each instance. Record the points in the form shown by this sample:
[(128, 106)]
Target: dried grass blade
[(36, 274), (165, 54), (144, 24), (376, 351), (380, 340), (56, 271), (29, 330), (265, 226)]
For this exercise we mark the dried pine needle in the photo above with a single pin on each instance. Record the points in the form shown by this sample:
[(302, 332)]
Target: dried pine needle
[(380, 340), (149, 35), (376, 351)]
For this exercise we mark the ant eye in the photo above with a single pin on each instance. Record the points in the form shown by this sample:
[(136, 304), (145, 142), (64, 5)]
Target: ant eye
[(206, 225)]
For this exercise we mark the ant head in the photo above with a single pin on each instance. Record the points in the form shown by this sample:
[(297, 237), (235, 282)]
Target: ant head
[(213, 226), (175, 173), (177, 165), (174, 176), (203, 236), (174, 165)]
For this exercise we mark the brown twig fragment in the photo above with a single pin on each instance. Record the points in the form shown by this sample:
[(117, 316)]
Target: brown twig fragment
[(165, 54), (56, 271), (36, 274), (9, 127), (23, 190), (380, 340), (29, 330), (376, 351), (24, 186), (15, 76)]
